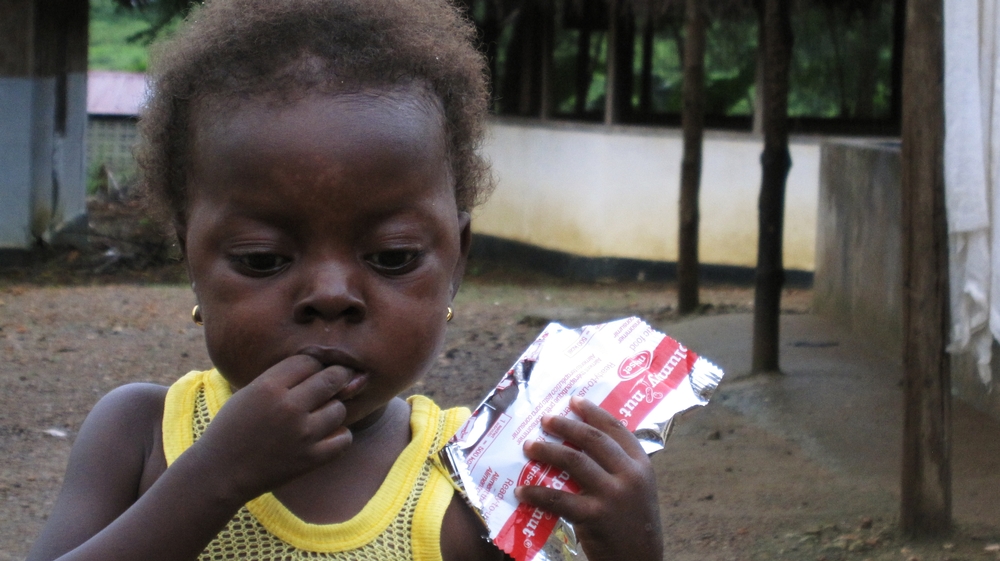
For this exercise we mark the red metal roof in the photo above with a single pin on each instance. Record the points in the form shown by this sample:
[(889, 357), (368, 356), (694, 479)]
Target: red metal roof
[(115, 93)]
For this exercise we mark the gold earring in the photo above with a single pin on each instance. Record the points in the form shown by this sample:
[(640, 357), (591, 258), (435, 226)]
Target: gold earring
[(450, 315), (196, 315)]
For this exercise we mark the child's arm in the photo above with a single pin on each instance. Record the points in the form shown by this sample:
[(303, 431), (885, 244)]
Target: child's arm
[(616, 514), (103, 481), (285, 423)]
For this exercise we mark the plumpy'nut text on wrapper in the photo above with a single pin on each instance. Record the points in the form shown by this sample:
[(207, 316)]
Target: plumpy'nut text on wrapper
[(636, 373)]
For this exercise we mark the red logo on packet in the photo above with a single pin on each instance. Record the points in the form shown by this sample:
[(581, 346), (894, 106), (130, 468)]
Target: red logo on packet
[(527, 530), (635, 365)]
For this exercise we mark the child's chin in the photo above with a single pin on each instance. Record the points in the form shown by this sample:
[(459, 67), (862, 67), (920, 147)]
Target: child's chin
[(360, 416)]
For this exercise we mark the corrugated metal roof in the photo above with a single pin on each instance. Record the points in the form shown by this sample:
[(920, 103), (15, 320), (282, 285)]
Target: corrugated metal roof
[(115, 93)]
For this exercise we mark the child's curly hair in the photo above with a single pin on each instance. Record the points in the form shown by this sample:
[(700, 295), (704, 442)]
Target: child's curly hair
[(238, 49)]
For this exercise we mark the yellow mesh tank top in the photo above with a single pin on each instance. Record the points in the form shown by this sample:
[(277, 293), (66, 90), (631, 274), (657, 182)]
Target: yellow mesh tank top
[(402, 520)]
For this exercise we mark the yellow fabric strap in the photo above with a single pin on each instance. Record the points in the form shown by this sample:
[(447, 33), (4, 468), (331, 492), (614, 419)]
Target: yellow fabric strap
[(178, 410), (438, 491), (430, 430)]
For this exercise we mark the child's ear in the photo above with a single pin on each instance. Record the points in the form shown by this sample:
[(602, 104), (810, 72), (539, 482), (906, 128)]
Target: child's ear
[(465, 243)]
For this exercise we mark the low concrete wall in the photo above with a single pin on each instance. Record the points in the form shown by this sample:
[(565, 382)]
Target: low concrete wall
[(858, 279), (613, 192)]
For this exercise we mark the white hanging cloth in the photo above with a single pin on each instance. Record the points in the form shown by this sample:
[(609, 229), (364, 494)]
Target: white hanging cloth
[(972, 165)]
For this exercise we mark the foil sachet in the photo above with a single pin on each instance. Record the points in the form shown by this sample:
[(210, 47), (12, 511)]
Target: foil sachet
[(634, 372)]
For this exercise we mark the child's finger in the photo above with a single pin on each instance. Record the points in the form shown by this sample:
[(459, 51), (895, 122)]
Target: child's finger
[(290, 372), (606, 423), (585, 471), (334, 444), (321, 387), (574, 508), (327, 419), (592, 442)]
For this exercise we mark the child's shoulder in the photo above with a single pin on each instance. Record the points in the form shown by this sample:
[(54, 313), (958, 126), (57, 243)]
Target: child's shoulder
[(124, 427), (127, 409), (114, 459)]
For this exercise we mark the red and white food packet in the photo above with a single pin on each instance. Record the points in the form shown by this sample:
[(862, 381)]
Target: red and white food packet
[(636, 373)]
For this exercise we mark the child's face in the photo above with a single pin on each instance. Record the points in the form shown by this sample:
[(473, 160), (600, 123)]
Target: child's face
[(327, 227)]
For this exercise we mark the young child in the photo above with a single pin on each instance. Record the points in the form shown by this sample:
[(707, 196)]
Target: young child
[(318, 161)]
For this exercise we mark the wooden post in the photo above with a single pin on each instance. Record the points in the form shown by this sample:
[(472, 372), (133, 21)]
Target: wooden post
[(775, 163), (925, 506), (646, 74), (583, 71), (624, 52), (491, 39), (530, 63), (693, 123), (757, 127), (546, 44), (898, 44), (611, 78)]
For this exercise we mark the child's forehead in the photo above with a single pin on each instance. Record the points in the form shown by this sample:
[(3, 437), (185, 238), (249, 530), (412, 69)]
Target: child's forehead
[(406, 119), (214, 109), (318, 142)]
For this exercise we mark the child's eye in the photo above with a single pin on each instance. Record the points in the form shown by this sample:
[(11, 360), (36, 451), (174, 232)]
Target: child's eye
[(261, 263), (394, 261)]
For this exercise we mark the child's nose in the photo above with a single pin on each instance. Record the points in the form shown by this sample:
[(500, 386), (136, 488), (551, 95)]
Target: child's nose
[(330, 293)]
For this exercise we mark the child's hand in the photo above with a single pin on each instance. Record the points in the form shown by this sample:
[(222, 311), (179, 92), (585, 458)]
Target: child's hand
[(616, 513), (283, 424)]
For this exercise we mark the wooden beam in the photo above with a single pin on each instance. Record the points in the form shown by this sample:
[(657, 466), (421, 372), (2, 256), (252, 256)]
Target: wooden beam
[(646, 74), (546, 46), (624, 65), (611, 75), (693, 124), (775, 163), (925, 506), (17, 25), (583, 70), (898, 44)]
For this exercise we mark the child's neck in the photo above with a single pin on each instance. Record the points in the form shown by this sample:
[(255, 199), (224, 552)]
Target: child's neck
[(337, 491)]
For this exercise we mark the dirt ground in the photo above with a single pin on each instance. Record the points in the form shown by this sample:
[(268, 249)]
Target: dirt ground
[(75, 325)]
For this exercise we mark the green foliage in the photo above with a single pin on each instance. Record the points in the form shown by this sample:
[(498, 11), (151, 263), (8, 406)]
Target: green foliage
[(119, 38), (730, 66), (97, 181), (110, 26), (841, 61), (668, 73)]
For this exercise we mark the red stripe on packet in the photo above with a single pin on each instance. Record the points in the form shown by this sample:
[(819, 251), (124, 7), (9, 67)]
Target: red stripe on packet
[(631, 401), (527, 530)]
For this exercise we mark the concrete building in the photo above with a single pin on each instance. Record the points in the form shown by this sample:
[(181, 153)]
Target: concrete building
[(600, 193), (43, 92)]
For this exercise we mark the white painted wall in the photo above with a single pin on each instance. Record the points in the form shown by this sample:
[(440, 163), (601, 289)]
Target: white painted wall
[(43, 115), (42, 173), (69, 160), (16, 96), (596, 191)]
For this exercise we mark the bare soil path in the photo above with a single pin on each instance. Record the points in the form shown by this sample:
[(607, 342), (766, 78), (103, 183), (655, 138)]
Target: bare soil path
[(729, 489)]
